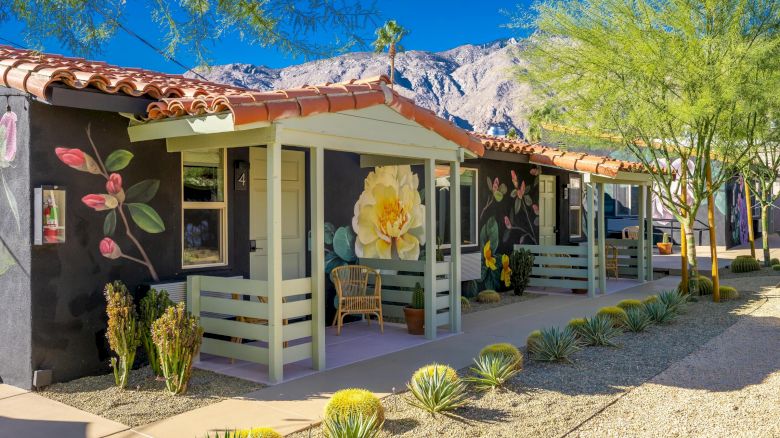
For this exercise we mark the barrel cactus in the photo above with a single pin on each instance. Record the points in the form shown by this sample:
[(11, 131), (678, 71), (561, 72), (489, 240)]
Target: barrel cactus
[(448, 372), (488, 296), (774, 261), (576, 324), (532, 340), (702, 285), (728, 293), (628, 304), (745, 264), (354, 401), (614, 313), (504, 349)]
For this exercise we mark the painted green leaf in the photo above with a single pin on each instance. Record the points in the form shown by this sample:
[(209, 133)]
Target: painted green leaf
[(518, 205), (498, 195), (528, 200), (118, 160), (330, 229), (146, 218), (344, 244), (109, 224), (502, 188), (6, 260), (332, 261), (489, 232), (144, 191)]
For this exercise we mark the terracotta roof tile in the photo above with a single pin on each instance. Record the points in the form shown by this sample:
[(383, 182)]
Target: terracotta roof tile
[(549, 156)]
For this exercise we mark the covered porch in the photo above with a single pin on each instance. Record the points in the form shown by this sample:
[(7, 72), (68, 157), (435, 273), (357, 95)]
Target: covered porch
[(270, 325)]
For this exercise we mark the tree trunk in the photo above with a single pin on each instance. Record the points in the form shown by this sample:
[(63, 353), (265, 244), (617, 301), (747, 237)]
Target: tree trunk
[(391, 52), (713, 235), (683, 238), (693, 268), (765, 232), (749, 208)]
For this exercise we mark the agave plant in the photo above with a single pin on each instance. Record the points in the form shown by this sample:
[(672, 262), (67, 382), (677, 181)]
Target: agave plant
[(637, 319), (352, 426), (674, 300), (436, 392), (598, 331), (659, 313), (555, 345), (492, 371)]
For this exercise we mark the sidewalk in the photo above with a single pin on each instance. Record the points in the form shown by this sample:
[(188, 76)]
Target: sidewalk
[(291, 406)]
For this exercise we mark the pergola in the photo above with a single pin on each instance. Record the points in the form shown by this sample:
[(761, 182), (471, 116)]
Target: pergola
[(365, 118)]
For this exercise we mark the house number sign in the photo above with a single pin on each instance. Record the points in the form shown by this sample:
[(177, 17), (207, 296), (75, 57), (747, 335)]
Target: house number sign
[(241, 176)]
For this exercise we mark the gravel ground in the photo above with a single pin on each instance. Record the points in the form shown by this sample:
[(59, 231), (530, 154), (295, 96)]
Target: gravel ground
[(145, 400), (730, 387), (554, 399), (506, 298)]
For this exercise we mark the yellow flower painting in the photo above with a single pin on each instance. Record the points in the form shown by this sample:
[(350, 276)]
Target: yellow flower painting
[(490, 261), (389, 217), (506, 271)]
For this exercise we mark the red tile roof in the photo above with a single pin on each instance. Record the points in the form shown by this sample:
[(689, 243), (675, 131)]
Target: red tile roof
[(35, 73), (549, 156), (260, 106)]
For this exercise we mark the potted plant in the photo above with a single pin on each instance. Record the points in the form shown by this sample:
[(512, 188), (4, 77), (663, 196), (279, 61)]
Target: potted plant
[(664, 246), (414, 313)]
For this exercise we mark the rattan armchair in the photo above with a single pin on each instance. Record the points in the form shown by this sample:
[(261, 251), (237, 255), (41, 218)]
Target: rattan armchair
[(353, 294), (611, 260)]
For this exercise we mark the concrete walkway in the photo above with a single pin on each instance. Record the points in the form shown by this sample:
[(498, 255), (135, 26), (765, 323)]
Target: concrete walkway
[(294, 405)]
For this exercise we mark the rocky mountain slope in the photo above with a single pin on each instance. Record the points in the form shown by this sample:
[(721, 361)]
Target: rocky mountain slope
[(472, 85)]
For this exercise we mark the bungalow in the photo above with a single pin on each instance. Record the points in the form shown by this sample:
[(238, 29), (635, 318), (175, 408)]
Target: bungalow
[(240, 202)]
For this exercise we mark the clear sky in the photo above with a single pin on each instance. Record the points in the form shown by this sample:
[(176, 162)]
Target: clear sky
[(434, 25)]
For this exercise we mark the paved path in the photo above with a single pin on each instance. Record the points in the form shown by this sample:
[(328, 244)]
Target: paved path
[(729, 388)]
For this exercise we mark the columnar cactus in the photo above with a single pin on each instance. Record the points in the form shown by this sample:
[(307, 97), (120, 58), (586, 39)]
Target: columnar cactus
[(418, 297), (123, 331), (177, 336), (152, 307)]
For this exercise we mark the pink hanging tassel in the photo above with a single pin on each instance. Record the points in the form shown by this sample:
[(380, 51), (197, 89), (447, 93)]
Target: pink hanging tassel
[(8, 121)]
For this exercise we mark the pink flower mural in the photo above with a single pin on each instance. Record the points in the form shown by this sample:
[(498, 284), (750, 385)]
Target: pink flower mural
[(117, 203), (8, 151)]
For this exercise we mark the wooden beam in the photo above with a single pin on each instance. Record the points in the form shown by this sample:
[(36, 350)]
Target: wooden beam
[(602, 236), (252, 137), (455, 239), (642, 236), (430, 249), (317, 195), (374, 161), (590, 230), (274, 233)]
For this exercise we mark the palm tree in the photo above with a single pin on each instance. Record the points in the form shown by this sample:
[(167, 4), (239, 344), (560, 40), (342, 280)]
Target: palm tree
[(390, 35)]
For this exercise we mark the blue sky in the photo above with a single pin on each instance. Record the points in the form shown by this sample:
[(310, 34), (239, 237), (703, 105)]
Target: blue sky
[(434, 25)]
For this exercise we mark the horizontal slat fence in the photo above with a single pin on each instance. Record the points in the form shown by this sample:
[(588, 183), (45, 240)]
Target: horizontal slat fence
[(558, 266), (628, 250), (398, 280)]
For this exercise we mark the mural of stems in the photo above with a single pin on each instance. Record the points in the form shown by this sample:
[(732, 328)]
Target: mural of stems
[(117, 202)]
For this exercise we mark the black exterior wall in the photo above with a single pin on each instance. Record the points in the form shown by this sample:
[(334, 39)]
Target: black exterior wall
[(15, 299)]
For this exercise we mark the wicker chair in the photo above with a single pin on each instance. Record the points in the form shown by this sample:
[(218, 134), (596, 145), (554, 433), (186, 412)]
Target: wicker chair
[(631, 232), (611, 260), (353, 295)]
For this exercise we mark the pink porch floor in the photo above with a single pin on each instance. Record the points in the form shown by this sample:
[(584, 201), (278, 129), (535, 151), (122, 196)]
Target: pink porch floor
[(613, 285), (358, 342)]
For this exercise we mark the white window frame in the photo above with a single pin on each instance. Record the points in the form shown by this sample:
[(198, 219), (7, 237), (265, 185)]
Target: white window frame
[(475, 229), (217, 205), (575, 207)]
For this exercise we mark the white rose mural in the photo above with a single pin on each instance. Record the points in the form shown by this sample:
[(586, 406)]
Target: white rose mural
[(389, 216)]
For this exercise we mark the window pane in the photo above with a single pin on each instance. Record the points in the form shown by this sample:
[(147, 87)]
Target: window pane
[(575, 192), (575, 222), (468, 198), (202, 237), (203, 176), (622, 200)]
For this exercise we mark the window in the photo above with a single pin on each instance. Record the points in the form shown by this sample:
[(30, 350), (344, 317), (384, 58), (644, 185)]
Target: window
[(468, 206), (626, 197), (204, 209), (575, 207)]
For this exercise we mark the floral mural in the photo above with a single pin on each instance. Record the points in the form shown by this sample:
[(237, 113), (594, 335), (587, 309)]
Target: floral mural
[(7, 155), (389, 217), (507, 218), (117, 202)]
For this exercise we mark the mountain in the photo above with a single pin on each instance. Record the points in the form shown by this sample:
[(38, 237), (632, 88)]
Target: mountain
[(471, 85)]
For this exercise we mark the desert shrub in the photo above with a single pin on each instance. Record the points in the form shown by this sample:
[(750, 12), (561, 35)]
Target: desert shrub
[(465, 304), (177, 336), (728, 293), (152, 306), (532, 339), (352, 426), (123, 330), (745, 264), (576, 323), (504, 349), (492, 370), (774, 261), (488, 296), (628, 304), (776, 267), (674, 300), (521, 262), (637, 319), (659, 313), (554, 345), (599, 331), (650, 299), (354, 402), (255, 432), (435, 389), (614, 313)]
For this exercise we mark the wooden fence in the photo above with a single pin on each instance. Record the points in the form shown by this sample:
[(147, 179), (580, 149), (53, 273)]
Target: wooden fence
[(398, 280), (558, 266), (628, 261)]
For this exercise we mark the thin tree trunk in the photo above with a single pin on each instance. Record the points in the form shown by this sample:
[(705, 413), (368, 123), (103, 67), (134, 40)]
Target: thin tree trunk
[(749, 208), (713, 238), (683, 238), (391, 52), (765, 232), (693, 268)]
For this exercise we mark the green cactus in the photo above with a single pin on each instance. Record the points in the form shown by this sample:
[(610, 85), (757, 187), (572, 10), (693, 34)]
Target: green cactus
[(418, 297), (774, 262), (521, 262), (665, 238), (177, 336), (745, 264), (123, 334), (152, 306)]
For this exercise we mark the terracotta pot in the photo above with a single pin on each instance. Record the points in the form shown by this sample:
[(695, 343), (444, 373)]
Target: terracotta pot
[(664, 248), (415, 320)]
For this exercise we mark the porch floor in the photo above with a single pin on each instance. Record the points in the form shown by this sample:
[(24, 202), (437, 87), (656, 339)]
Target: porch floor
[(358, 341), (613, 286)]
